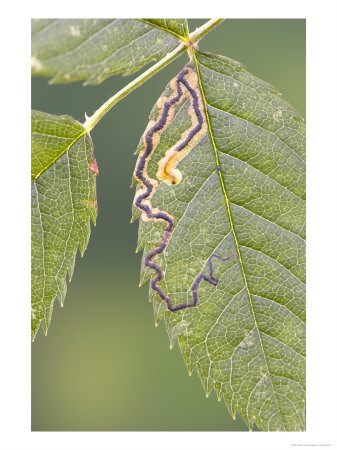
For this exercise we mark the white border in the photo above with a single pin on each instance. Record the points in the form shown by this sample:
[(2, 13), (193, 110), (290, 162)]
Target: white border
[(322, 226)]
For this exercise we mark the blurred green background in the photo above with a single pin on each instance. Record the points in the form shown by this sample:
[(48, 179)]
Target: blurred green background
[(104, 366)]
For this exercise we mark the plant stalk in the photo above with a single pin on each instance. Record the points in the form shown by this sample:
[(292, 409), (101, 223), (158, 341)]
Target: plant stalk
[(204, 29), (92, 121), (193, 38)]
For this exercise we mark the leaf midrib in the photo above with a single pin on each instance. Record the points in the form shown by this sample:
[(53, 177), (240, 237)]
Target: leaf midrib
[(223, 188), (181, 38), (245, 119), (35, 178)]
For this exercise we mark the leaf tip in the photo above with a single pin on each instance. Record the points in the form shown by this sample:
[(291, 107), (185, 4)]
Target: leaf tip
[(144, 280), (45, 324), (140, 246), (134, 182)]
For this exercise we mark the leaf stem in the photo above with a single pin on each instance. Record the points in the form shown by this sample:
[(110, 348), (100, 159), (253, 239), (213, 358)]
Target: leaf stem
[(92, 121), (193, 38), (204, 29)]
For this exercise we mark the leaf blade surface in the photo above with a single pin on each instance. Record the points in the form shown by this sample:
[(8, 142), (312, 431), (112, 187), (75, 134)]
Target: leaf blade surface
[(64, 173), (242, 192), (178, 27), (94, 49)]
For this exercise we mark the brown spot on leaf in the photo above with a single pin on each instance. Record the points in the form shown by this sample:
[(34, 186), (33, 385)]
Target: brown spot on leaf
[(94, 203), (90, 203), (93, 166)]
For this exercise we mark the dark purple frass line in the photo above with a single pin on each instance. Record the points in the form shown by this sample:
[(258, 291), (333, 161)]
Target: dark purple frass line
[(162, 215)]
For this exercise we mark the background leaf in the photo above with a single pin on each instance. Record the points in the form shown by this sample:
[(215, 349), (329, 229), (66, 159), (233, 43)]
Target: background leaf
[(94, 49), (64, 173), (246, 337), (178, 27)]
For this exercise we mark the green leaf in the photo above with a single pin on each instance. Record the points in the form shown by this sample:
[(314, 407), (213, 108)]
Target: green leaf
[(94, 49), (64, 173), (246, 336), (178, 27)]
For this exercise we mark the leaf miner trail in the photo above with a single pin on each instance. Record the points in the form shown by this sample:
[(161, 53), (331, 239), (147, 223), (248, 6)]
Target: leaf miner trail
[(184, 85)]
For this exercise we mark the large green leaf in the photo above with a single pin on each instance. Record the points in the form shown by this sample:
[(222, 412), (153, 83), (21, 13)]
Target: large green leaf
[(94, 49), (242, 193), (64, 173)]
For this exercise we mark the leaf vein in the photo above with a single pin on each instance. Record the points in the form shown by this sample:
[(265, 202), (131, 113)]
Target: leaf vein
[(261, 128), (167, 30), (267, 220), (227, 202), (273, 259), (263, 173), (280, 304), (86, 40), (48, 25), (283, 343)]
